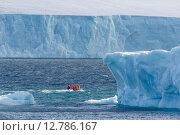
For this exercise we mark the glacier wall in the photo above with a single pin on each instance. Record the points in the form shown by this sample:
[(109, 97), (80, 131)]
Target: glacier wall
[(147, 78), (84, 36)]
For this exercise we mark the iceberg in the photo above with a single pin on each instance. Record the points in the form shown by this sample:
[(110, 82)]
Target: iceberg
[(52, 36), (17, 98), (147, 78)]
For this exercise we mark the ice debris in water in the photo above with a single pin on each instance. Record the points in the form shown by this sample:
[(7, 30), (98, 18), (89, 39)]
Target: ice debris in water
[(111, 100), (17, 98)]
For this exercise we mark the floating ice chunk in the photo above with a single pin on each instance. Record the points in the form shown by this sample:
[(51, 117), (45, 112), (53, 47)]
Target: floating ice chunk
[(17, 98), (147, 78), (111, 100)]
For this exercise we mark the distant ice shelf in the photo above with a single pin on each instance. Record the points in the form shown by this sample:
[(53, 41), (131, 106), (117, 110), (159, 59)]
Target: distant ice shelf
[(52, 36), (147, 78)]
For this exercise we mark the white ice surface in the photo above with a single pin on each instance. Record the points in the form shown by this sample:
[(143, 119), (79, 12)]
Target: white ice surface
[(166, 8), (147, 78)]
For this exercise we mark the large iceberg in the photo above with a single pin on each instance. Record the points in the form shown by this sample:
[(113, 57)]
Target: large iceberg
[(17, 98), (84, 36), (147, 78)]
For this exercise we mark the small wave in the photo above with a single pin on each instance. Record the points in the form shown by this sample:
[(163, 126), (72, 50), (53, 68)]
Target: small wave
[(17, 98), (46, 91), (111, 100), (12, 91), (105, 75), (60, 91), (8, 91), (31, 90)]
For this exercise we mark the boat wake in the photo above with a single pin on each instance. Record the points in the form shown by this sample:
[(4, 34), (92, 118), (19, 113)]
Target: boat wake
[(61, 91)]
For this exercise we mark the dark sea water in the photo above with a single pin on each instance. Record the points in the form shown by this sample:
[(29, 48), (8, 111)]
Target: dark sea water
[(47, 79)]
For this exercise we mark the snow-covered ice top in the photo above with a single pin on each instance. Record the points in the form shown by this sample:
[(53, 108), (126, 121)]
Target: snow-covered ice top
[(84, 36), (168, 8), (147, 78), (17, 98)]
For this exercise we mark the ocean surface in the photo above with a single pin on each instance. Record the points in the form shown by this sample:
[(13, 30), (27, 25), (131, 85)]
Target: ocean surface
[(47, 79)]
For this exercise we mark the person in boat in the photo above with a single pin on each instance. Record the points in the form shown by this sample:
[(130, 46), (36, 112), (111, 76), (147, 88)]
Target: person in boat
[(69, 87), (78, 87), (75, 88)]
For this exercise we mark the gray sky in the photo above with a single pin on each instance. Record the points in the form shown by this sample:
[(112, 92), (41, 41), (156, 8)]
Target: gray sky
[(169, 8)]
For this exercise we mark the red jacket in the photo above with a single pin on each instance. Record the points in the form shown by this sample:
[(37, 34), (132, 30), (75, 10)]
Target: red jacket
[(75, 88)]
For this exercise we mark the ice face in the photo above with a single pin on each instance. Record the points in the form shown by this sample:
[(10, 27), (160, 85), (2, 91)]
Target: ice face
[(147, 78), (84, 36), (17, 98)]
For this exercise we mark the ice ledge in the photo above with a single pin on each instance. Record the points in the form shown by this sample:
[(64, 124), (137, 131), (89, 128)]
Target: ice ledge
[(147, 78)]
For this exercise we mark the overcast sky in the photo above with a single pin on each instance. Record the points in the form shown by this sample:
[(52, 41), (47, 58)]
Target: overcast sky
[(169, 8)]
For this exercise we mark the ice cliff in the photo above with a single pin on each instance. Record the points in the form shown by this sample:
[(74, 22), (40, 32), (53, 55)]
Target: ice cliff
[(147, 78), (84, 36)]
